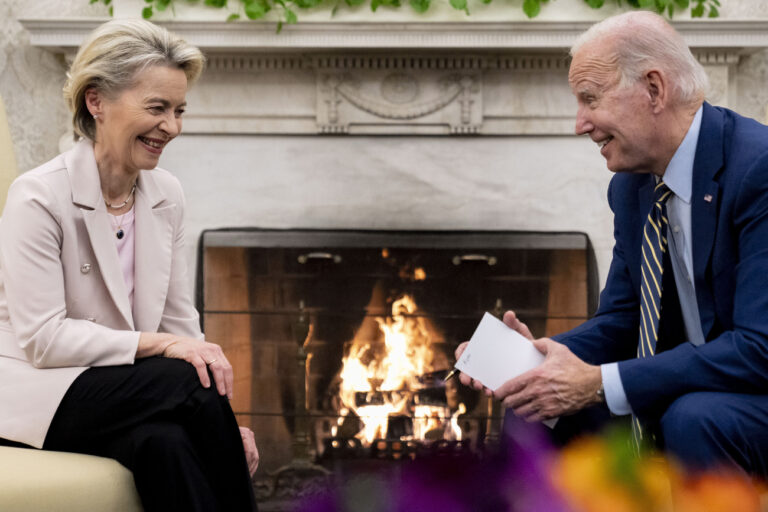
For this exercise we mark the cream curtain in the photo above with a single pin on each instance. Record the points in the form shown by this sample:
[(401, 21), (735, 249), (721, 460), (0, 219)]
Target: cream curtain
[(8, 170)]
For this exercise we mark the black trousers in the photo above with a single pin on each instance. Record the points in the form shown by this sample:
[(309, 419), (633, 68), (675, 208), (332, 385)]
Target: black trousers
[(180, 440)]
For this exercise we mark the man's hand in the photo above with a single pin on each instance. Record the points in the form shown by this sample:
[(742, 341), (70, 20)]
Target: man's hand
[(251, 452), (511, 321), (563, 384)]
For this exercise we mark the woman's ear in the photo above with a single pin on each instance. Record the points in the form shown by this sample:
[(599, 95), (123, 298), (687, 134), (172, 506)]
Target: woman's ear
[(94, 102)]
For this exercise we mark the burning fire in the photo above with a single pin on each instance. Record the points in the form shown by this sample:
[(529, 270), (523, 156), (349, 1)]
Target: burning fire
[(379, 383)]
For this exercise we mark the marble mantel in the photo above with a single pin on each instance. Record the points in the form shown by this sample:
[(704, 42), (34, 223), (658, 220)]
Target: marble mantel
[(64, 35), (436, 78)]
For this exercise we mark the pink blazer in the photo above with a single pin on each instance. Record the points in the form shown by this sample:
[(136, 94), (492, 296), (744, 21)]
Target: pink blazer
[(63, 302)]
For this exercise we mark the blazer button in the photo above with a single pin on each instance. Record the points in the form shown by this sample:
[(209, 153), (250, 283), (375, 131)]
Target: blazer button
[(85, 268)]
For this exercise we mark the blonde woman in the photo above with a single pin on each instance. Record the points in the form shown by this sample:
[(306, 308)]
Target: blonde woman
[(100, 345)]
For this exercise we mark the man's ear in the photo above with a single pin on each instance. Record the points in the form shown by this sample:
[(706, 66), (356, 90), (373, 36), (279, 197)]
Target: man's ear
[(94, 101), (658, 90)]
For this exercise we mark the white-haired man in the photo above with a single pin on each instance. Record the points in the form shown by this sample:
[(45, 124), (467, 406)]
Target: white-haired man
[(680, 338)]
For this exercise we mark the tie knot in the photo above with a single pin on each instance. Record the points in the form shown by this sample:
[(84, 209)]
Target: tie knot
[(661, 193)]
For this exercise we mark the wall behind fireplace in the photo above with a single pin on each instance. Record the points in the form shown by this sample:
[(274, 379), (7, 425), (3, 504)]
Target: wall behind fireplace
[(385, 182)]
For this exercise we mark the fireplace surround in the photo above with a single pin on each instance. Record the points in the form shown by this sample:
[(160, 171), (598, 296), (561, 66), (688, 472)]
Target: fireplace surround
[(289, 305)]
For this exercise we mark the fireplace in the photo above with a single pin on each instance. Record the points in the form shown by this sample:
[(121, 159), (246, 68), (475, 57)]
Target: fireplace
[(340, 339)]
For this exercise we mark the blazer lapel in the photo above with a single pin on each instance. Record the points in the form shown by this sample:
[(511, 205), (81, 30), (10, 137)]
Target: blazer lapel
[(154, 250), (704, 208), (86, 193)]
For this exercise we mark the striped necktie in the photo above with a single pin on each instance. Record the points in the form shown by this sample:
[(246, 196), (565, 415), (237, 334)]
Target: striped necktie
[(652, 268)]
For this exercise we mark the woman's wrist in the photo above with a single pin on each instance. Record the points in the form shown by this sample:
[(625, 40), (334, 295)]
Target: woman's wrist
[(162, 353), (154, 344)]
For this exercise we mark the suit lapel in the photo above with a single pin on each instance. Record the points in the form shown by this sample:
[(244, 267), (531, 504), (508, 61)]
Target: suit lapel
[(704, 208), (644, 202), (153, 252), (86, 193)]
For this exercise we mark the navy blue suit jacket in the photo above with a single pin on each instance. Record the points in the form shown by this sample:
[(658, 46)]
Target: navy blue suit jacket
[(729, 215)]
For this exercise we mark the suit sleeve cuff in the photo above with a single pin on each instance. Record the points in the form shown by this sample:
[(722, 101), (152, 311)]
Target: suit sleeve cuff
[(615, 397)]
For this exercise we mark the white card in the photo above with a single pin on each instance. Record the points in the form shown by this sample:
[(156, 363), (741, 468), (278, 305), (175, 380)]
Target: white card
[(496, 353)]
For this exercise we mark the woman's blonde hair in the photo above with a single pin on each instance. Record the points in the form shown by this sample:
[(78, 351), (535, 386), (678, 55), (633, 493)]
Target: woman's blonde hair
[(112, 56)]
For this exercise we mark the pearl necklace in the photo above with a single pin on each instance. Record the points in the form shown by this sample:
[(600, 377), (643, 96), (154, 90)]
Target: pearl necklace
[(118, 206)]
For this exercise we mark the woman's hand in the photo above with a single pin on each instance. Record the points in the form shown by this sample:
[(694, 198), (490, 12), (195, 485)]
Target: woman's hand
[(251, 452), (200, 354), (204, 356)]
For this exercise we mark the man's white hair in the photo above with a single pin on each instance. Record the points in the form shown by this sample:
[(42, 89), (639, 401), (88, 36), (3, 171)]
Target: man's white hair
[(642, 40)]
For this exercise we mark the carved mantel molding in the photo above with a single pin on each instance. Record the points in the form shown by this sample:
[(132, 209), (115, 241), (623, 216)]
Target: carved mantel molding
[(64, 35), (438, 78)]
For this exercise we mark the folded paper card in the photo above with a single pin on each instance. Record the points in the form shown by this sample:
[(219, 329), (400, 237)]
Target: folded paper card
[(496, 353)]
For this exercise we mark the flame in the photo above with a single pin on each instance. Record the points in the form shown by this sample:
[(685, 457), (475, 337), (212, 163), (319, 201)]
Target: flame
[(376, 388), (456, 431)]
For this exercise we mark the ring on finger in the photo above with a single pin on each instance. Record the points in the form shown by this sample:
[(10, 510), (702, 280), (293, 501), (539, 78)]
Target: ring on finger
[(209, 363)]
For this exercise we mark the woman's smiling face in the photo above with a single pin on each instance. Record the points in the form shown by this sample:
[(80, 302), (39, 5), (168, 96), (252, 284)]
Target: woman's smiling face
[(134, 127)]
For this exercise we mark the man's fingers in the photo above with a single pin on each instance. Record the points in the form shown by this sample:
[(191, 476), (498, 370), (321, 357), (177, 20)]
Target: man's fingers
[(460, 350), (510, 320)]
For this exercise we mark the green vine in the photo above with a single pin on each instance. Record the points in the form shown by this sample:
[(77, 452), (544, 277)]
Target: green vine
[(257, 9)]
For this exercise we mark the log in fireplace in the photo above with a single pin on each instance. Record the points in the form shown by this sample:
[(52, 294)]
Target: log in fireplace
[(340, 339)]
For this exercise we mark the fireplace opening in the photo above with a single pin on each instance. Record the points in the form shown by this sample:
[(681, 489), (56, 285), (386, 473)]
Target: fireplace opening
[(340, 340)]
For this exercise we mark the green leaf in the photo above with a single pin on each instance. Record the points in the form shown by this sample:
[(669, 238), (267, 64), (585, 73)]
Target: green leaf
[(353, 3), (93, 1), (290, 17), (149, 1), (162, 5), (256, 9), (389, 3), (233, 17), (595, 4), (420, 5), (671, 10), (646, 4), (698, 11), (305, 4), (146, 13), (486, 1), (460, 5), (107, 2), (682, 4), (111, 10), (713, 12), (279, 27), (216, 3), (532, 8)]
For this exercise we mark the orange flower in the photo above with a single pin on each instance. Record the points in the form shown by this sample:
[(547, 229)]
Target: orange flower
[(716, 492)]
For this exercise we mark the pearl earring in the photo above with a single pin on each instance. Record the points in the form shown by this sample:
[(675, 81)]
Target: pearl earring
[(95, 116)]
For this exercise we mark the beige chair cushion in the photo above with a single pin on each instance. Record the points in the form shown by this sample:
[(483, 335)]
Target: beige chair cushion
[(41, 481)]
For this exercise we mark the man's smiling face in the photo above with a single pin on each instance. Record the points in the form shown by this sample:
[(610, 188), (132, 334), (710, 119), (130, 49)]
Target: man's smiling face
[(618, 118)]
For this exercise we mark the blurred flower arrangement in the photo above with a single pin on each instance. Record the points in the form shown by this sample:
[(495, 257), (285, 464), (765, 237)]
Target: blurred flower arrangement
[(604, 474), (595, 474)]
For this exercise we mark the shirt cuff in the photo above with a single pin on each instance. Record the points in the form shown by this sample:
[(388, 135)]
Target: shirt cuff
[(615, 397)]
